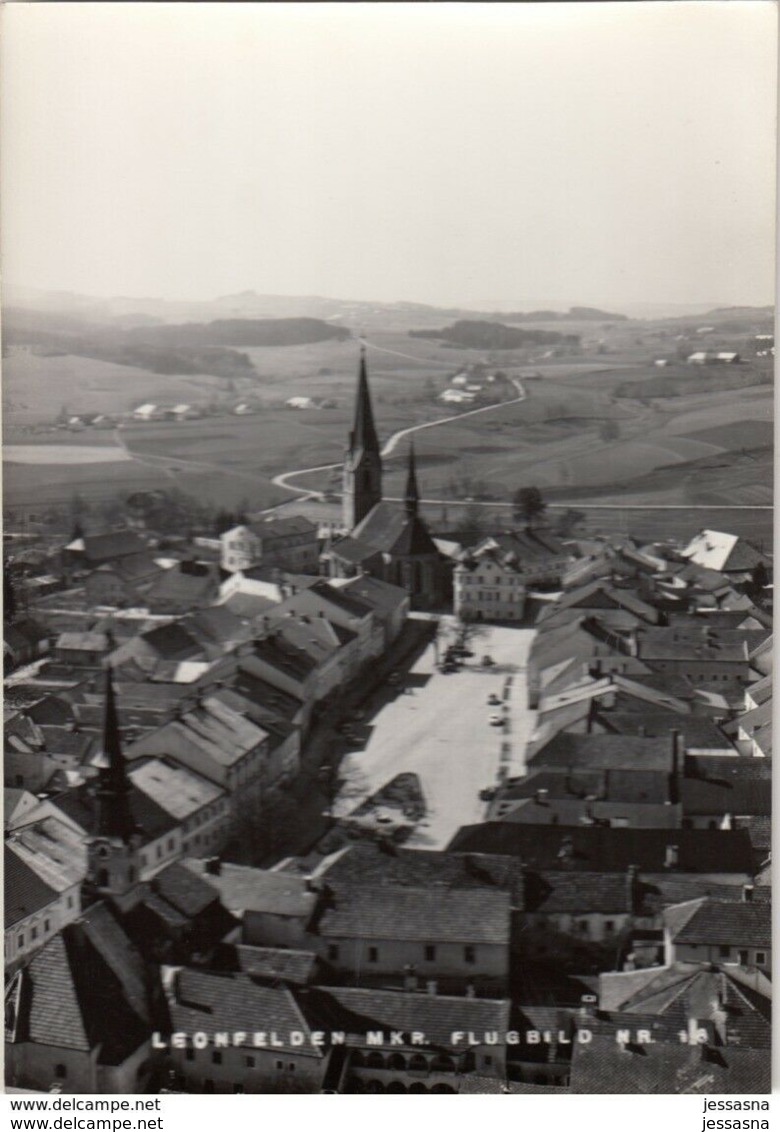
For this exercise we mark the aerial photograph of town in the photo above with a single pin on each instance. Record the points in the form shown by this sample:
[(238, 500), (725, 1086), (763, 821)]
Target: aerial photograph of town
[(388, 667)]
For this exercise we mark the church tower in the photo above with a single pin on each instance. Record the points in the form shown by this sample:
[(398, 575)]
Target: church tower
[(112, 850), (362, 462), (412, 493)]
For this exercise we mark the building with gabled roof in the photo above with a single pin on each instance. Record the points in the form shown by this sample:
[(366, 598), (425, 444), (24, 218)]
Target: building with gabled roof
[(79, 1015), (289, 542), (216, 1003), (39, 900), (718, 931)]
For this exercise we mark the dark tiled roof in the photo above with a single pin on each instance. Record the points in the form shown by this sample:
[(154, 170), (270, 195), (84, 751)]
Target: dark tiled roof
[(600, 1066), (696, 731), (277, 963), (210, 1001), (352, 550), (277, 653), (556, 892), (184, 890), (24, 891), (79, 996), (357, 1010), (389, 529), (417, 914), (151, 820), (182, 584), (598, 848), (246, 889), (112, 544), (172, 642), (606, 752), (270, 528), (730, 795), (376, 593), (622, 785), (343, 600), (746, 924)]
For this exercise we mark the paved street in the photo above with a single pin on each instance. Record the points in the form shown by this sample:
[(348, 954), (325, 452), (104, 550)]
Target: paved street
[(439, 729)]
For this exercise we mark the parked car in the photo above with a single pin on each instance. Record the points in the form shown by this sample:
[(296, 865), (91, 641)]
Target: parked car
[(448, 666), (494, 700), (496, 720), (487, 661)]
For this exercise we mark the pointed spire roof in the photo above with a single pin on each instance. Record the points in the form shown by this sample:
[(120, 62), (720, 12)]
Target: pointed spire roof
[(412, 493), (363, 435), (113, 785)]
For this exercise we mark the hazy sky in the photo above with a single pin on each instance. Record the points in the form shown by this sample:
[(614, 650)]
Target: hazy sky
[(431, 152)]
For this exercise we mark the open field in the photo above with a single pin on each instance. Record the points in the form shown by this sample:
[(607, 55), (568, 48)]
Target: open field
[(705, 444), (36, 388)]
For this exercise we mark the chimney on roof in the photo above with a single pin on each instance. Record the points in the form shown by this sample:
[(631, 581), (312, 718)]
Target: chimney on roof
[(747, 893), (410, 977), (588, 1004), (213, 866), (470, 991), (542, 796), (633, 890), (672, 857), (431, 987)]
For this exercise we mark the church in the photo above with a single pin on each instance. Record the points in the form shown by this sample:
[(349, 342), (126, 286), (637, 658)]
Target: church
[(387, 540)]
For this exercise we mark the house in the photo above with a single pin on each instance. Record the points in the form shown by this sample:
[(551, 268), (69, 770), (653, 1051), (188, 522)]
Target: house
[(16, 803), (82, 650), (366, 932), (331, 604), (709, 852), (78, 1014), (284, 737), (720, 932), (167, 642), (198, 806), (91, 551), (213, 741), (488, 587), (40, 898), (441, 1041), (234, 1003), (724, 553), (33, 754), (158, 833), (390, 604), (274, 908), (121, 582), (754, 731), (183, 587), (146, 412), (23, 642), (290, 543)]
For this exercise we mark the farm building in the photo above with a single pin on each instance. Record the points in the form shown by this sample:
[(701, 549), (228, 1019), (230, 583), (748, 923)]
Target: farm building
[(146, 412), (703, 358)]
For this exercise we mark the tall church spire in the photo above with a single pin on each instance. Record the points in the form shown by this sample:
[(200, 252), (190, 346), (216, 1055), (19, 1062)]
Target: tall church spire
[(112, 791), (412, 493), (363, 461), (364, 435)]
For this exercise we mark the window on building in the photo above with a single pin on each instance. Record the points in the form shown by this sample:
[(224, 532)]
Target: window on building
[(70, 901), (189, 1054), (373, 954), (20, 940), (430, 953), (61, 1071), (744, 959), (609, 926), (724, 952), (583, 926), (469, 954), (250, 1062), (487, 1059), (333, 952), (216, 1057), (170, 844), (46, 925), (279, 1065), (291, 1066), (761, 958)]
